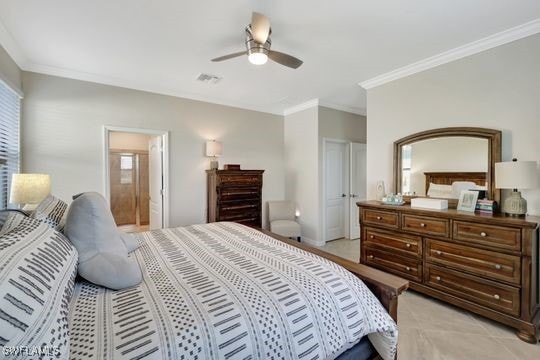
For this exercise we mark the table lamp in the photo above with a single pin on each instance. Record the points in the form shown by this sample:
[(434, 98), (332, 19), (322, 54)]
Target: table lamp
[(515, 175), (29, 189), (214, 149)]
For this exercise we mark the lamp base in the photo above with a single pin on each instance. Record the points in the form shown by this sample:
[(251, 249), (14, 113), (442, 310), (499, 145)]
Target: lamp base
[(515, 205), (214, 165)]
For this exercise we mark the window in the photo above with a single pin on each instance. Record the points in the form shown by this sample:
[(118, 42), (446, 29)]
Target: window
[(126, 169), (10, 110), (406, 169)]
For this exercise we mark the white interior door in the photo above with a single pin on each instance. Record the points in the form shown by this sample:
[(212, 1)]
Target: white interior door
[(336, 190), (155, 166), (358, 170)]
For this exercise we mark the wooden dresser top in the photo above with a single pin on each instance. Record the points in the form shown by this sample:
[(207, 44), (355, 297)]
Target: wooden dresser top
[(501, 219)]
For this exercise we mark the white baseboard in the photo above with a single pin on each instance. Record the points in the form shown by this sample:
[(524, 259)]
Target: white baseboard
[(312, 242)]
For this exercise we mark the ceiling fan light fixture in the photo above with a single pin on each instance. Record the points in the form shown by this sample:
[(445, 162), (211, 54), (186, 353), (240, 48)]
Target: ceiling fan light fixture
[(258, 58)]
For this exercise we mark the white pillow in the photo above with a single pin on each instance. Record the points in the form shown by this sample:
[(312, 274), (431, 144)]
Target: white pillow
[(37, 275), (458, 186), (103, 257), (439, 190), (51, 211)]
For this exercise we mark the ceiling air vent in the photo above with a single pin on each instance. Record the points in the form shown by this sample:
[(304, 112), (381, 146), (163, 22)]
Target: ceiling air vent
[(209, 78)]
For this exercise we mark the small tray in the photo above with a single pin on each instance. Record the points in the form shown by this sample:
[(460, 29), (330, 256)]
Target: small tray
[(393, 203)]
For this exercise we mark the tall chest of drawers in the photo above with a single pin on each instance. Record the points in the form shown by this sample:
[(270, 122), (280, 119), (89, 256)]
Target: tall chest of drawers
[(487, 264), (235, 195)]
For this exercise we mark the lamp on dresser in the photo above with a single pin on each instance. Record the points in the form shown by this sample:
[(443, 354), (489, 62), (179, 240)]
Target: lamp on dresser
[(515, 175), (29, 189), (214, 149)]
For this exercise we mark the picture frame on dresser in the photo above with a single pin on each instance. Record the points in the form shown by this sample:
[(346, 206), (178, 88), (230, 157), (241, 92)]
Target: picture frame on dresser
[(467, 200)]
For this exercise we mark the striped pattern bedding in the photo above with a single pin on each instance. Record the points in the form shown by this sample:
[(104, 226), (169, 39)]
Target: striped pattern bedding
[(226, 291)]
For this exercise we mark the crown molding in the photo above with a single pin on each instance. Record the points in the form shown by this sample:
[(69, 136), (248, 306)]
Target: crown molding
[(12, 48), (303, 106), (349, 109), (489, 42), (134, 85)]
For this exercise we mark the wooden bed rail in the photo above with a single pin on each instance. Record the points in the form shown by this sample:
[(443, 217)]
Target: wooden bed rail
[(386, 287)]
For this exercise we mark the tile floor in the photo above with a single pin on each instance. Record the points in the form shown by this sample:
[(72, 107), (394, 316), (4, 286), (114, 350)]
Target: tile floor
[(432, 330)]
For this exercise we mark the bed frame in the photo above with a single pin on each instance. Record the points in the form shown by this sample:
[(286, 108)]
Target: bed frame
[(447, 178)]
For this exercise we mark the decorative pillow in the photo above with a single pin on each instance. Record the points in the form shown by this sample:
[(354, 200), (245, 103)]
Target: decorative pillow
[(130, 241), (103, 257), (439, 190), (37, 274), (52, 212)]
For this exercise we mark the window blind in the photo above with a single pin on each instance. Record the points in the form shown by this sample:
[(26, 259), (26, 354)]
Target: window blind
[(10, 112)]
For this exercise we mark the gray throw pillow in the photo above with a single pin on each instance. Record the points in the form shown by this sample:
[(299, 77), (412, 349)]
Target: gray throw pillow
[(130, 241), (103, 257)]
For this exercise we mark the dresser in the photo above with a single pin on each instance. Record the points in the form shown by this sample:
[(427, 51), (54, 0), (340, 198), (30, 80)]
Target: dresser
[(235, 195), (487, 264)]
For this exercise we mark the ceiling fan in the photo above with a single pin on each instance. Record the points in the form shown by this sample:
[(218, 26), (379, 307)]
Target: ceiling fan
[(258, 45)]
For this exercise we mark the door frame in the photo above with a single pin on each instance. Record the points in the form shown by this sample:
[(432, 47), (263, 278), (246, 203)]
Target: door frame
[(325, 141), (107, 129)]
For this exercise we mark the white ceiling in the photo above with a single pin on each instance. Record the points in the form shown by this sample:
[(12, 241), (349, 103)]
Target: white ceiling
[(163, 45)]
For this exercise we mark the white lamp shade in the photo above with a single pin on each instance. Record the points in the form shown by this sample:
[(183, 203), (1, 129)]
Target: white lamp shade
[(516, 175), (29, 188), (213, 148)]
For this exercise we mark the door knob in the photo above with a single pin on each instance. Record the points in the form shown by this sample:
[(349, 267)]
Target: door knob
[(343, 195), (353, 195)]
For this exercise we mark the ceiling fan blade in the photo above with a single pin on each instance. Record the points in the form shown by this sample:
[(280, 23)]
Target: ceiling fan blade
[(230, 56), (260, 27), (285, 59)]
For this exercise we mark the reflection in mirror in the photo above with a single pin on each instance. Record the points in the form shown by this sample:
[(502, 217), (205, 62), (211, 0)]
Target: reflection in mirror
[(443, 166)]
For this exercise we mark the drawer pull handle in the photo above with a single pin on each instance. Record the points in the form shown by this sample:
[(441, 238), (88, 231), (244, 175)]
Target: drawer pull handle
[(422, 225), (483, 234), (370, 256), (372, 236), (498, 266), (408, 268), (439, 252), (408, 245), (496, 297), (379, 218), (438, 278)]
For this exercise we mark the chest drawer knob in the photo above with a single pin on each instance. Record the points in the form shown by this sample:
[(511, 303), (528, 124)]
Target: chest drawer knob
[(439, 252), (483, 234), (408, 245), (370, 256), (372, 236), (422, 225), (498, 266), (379, 218), (496, 297), (438, 278), (408, 268)]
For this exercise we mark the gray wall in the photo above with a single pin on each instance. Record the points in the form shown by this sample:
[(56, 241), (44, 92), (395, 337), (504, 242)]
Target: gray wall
[(498, 88), (9, 71), (62, 135), (336, 124)]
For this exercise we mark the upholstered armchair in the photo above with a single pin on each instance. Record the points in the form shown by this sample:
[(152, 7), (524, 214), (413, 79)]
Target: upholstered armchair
[(281, 215)]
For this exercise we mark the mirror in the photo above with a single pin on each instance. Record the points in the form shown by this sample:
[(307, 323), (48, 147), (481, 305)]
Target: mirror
[(440, 163)]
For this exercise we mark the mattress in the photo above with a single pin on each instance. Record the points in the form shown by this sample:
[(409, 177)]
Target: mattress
[(226, 291)]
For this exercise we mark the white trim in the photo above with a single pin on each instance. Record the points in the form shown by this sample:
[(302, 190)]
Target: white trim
[(11, 47), (349, 109), (312, 242), (347, 143), (300, 107), (489, 42), (165, 141)]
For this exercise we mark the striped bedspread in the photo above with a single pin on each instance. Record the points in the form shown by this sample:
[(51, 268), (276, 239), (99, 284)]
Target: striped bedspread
[(226, 291)]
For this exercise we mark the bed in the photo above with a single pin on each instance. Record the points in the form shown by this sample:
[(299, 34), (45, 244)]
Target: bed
[(227, 291), (448, 178)]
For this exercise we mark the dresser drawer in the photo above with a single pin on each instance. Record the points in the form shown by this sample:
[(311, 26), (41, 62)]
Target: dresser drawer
[(236, 180), (487, 293), (426, 225), (489, 235), (486, 263), (405, 244), (237, 193), (402, 266), (379, 217)]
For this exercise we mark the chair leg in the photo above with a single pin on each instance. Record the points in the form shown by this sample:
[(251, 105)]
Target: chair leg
[(298, 238)]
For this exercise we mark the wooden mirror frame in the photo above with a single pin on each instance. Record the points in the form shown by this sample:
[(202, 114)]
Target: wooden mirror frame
[(494, 153)]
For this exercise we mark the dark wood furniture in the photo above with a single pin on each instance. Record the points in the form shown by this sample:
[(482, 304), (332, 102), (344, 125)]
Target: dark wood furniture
[(492, 136), (235, 195), (487, 264), (448, 178)]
